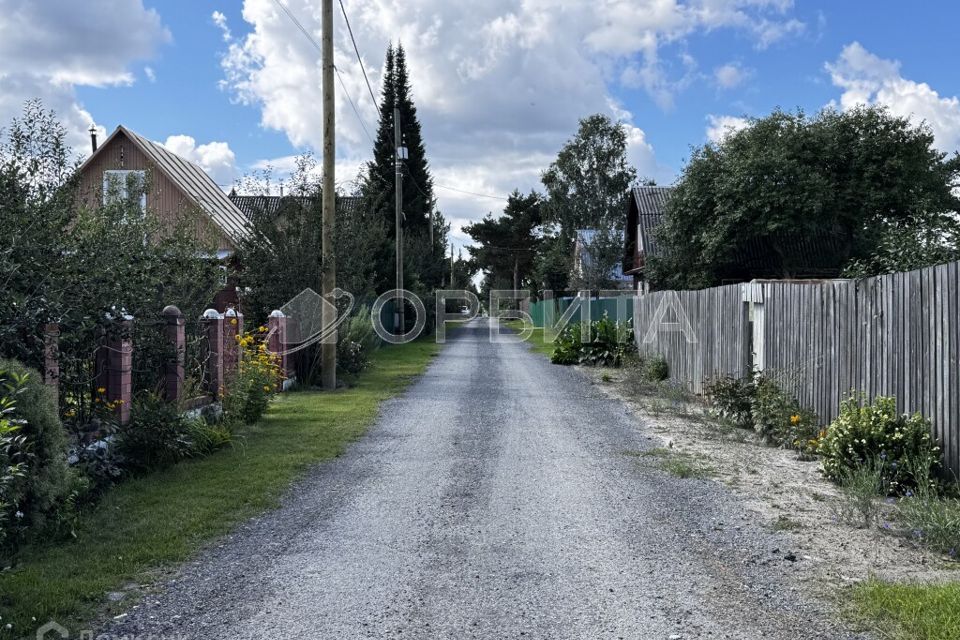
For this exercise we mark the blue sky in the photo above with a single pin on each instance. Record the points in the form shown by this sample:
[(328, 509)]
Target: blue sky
[(500, 85)]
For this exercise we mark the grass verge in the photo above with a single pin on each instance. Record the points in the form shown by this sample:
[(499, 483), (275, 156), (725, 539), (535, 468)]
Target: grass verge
[(156, 521), (909, 611), (677, 463), (536, 339)]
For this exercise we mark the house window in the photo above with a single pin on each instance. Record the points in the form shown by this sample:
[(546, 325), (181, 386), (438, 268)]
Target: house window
[(119, 184)]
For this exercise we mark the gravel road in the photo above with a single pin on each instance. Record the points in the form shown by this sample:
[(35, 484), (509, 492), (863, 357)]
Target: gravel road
[(499, 497)]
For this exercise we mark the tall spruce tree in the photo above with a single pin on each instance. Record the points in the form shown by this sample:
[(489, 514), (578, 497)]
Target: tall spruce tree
[(422, 257)]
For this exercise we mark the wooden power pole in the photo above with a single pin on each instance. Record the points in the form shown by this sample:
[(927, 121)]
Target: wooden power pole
[(398, 152), (328, 346)]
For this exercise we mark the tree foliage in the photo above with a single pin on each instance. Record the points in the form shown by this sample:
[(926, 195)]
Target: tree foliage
[(424, 228), (83, 268), (794, 195), (585, 189), (587, 183), (505, 247)]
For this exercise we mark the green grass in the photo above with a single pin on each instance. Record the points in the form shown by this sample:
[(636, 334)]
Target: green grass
[(153, 522), (785, 523), (676, 463), (909, 611), (536, 340)]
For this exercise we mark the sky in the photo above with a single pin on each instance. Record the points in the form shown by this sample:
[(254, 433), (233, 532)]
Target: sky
[(500, 85)]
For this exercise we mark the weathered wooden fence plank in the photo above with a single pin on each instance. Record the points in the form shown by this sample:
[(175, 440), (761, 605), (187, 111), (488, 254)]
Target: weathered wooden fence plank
[(895, 335)]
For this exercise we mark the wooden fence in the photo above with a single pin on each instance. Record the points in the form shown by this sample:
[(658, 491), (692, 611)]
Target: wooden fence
[(716, 342), (896, 335)]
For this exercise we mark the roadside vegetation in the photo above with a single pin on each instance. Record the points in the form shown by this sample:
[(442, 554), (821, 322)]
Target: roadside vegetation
[(909, 611), (677, 463), (151, 522), (537, 342)]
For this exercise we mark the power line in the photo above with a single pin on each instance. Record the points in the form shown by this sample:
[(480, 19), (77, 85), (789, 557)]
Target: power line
[(356, 112), (316, 44), (354, 106), (299, 26), (472, 193), (359, 59)]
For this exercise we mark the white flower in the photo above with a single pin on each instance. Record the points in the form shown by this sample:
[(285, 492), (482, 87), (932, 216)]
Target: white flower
[(19, 514)]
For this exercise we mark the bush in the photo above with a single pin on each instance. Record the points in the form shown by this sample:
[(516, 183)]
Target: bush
[(779, 419), (158, 435), (35, 446), (860, 488), (731, 399), (656, 369), (256, 381), (757, 402), (356, 343), (567, 346), (863, 432), (13, 455), (931, 520), (608, 344)]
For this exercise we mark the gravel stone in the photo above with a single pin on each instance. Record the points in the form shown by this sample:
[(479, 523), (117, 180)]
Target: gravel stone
[(493, 499)]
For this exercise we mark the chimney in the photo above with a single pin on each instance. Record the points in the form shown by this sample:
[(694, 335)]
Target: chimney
[(93, 137)]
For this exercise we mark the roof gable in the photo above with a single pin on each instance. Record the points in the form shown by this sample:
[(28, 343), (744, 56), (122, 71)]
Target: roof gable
[(646, 208), (198, 187)]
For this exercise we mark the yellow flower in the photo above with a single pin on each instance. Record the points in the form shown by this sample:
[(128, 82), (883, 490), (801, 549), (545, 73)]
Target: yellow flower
[(101, 389), (795, 419), (233, 321), (266, 388)]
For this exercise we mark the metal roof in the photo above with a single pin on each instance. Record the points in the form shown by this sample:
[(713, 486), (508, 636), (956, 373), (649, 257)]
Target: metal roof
[(650, 203), (256, 208), (197, 186)]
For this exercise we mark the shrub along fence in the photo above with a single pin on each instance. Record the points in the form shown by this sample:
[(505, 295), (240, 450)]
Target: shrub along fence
[(894, 335), (219, 359)]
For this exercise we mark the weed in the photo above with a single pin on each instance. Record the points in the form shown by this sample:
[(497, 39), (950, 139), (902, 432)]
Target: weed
[(785, 523), (679, 464), (860, 489)]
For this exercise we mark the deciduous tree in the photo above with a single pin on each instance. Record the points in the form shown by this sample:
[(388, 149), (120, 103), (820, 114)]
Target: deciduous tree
[(793, 195)]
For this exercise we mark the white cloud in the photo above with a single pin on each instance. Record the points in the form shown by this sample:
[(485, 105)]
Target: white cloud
[(221, 21), (731, 75), (47, 48), (216, 158), (499, 85), (719, 127), (868, 79), (150, 74)]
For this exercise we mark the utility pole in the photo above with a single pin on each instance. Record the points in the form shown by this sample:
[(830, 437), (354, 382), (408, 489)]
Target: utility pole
[(328, 347), (400, 325)]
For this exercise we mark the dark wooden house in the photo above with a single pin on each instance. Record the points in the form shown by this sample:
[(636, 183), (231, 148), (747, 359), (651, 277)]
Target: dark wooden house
[(645, 210)]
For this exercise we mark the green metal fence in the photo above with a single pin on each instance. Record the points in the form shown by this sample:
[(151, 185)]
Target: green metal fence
[(598, 307)]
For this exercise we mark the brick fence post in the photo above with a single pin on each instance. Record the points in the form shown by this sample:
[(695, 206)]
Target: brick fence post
[(232, 327), (213, 330), (173, 369), (51, 357), (277, 341), (119, 363)]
